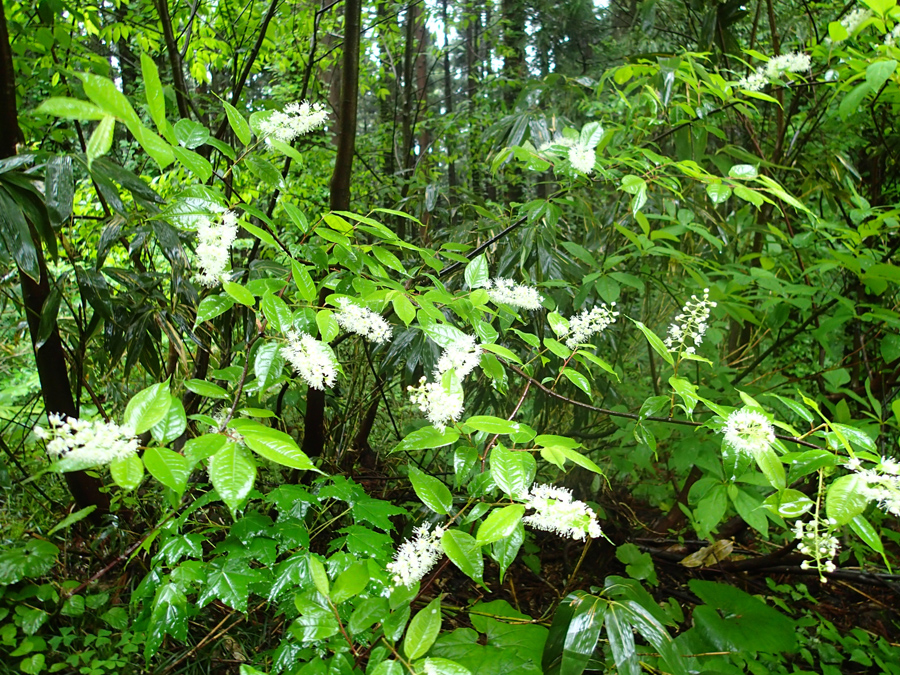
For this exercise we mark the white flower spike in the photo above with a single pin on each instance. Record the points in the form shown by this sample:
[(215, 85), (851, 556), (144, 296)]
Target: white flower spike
[(213, 248), (355, 319), (82, 444), (312, 360), (417, 556)]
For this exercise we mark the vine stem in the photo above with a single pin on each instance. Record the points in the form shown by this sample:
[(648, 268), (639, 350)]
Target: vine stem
[(633, 416)]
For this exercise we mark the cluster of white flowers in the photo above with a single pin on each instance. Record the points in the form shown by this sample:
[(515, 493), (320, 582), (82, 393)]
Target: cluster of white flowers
[(748, 431), (582, 158), (853, 20), (312, 359), (417, 556), (890, 40), (690, 325), (462, 356), (508, 292), (362, 321), (296, 120), (882, 483), (556, 511), (818, 542), (587, 324), (439, 405), (214, 246), (85, 443), (792, 62)]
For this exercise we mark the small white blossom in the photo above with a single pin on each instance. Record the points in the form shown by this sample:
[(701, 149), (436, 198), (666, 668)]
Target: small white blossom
[(556, 511), (587, 324), (417, 556), (362, 321), (882, 484), (818, 542), (81, 444), (792, 62), (853, 20), (748, 431), (507, 292), (890, 40), (440, 405), (296, 120), (754, 81), (312, 359), (690, 325), (582, 158), (462, 356), (214, 246)]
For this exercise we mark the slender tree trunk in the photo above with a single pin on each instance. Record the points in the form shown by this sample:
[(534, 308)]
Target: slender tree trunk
[(448, 103), (50, 357), (180, 84), (314, 422), (386, 117)]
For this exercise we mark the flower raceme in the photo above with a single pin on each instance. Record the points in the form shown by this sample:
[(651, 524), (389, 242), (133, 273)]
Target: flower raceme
[(362, 321), (461, 355), (82, 444), (582, 327), (214, 242), (882, 484), (748, 431), (687, 330), (792, 62), (417, 556), (296, 120), (312, 359), (519, 296), (440, 405), (556, 511)]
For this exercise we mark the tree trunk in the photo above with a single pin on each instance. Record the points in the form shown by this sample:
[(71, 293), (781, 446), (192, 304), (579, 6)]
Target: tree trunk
[(50, 357), (448, 103), (178, 81), (314, 421)]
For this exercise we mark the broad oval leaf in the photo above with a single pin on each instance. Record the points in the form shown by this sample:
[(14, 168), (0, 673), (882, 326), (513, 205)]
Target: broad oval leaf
[(232, 473), (423, 630)]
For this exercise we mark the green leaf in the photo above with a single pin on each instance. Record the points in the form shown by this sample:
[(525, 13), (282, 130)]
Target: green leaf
[(504, 551), (578, 380), (423, 630), (494, 425), (864, 530), (238, 124), (439, 666), (789, 503), (319, 575), (172, 425), (621, 641), (106, 95), (367, 613), (101, 140), (404, 308), (32, 559), (658, 346), (147, 407), (196, 164), (206, 389), (477, 274), (168, 467), (127, 472), (853, 99), (426, 438), (327, 324), (229, 582), (743, 171), (465, 552), (156, 100), (213, 306), (878, 73), (232, 473), (72, 518), (573, 634), (190, 134), (273, 444), (277, 312), (433, 493), (513, 472), (239, 293), (267, 365), (718, 192), (500, 523), (305, 284), (845, 499), (351, 582), (70, 109)]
